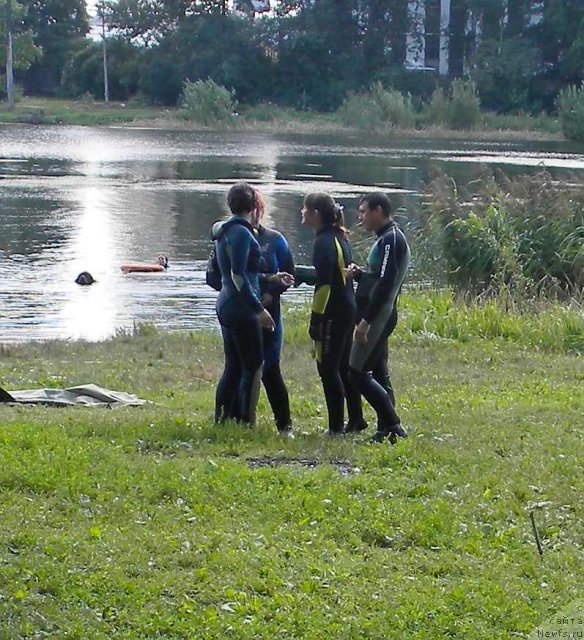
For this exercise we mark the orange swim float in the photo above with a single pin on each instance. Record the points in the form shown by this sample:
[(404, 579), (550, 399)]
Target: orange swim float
[(161, 265)]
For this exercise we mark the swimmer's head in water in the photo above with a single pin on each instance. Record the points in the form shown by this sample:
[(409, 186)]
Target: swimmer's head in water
[(162, 260), (85, 278)]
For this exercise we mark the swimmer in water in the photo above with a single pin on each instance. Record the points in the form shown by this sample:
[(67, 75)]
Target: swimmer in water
[(85, 278)]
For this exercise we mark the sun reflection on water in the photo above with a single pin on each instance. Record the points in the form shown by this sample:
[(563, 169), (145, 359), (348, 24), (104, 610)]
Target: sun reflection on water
[(92, 312)]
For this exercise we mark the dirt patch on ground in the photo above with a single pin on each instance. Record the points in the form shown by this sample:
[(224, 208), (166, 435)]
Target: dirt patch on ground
[(343, 466)]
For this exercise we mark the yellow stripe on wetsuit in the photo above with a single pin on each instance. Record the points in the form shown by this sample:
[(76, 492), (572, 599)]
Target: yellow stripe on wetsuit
[(322, 295)]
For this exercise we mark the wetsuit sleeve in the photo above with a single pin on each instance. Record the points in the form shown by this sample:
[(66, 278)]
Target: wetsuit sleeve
[(324, 267), (213, 273), (393, 250), (284, 262), (239, 240)]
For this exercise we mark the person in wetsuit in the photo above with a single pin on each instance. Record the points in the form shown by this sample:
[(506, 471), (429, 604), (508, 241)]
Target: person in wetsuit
[(239, 309), (277, 274), (377, 292), (333, 308)]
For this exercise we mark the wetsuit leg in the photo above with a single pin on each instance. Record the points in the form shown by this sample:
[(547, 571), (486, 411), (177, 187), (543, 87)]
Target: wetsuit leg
[(381, 373), (363, 358), (379, 368), (352, 394), (272, 376), (335, 335), (226, 401), (247, 337)]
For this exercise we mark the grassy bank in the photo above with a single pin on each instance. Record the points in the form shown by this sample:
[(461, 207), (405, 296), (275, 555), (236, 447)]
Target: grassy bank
[(263, 118), (153, 523), (37, 110)]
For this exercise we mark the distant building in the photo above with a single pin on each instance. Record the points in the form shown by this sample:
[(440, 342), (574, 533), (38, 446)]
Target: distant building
[(441, 37), (251, 7)]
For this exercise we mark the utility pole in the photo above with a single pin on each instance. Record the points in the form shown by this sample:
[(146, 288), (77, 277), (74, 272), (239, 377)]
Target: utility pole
[(105, 75), (9, 57)]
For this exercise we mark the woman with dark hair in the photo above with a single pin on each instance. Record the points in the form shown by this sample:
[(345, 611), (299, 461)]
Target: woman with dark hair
[(333, 308), (276, 275), (239, 308)]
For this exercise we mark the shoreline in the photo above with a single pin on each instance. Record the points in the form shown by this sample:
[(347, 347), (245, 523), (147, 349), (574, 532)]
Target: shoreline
[(43, 111)]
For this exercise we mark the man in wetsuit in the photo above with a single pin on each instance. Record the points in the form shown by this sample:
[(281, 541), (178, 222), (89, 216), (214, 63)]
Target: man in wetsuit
[(376, 296)]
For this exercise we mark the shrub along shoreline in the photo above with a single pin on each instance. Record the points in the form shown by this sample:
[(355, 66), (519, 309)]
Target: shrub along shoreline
[(153, 521), (266, 118)]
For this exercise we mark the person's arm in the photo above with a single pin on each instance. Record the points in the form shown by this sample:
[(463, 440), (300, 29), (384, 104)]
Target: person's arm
[(324, 266), (285, 264), (239, 240), (213, 273)]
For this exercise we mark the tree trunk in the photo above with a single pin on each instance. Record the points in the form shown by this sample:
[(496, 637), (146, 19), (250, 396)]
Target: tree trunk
[(9, 56), (105, 74)]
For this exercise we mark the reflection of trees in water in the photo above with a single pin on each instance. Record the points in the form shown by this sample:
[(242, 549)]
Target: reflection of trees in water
[(195, 212), (32, 223), (146, 220)]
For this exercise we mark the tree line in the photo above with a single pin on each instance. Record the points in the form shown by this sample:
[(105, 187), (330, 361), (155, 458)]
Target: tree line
[(307, 54)]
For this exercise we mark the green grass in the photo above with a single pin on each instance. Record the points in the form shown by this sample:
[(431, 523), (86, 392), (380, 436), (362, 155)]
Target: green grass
[(37, 110), (152, 522)]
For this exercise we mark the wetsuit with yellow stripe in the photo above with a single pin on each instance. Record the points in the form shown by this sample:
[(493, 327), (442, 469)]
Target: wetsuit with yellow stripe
[(332, 321)]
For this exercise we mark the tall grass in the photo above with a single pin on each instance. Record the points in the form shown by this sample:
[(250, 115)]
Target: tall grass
[(446, 314), (435, 314), (570, 104), (523, 235), (464, 108), (377, 108)]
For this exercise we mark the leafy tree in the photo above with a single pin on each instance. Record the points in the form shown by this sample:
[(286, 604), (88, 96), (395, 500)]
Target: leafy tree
[(503, 72), (59, 27), (149, 21), (160, 80), (216, 47), (560, 37), (26, 50), (84, 72)]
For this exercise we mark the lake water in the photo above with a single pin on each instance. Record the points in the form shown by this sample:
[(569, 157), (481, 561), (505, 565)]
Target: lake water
[(79, 198)]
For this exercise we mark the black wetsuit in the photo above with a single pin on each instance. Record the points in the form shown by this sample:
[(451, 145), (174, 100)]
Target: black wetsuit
[(377, 291), (331, 323), (238, 304), (276, 256)]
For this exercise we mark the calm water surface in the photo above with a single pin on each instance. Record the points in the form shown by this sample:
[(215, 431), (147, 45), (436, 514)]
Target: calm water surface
[(78, 198)]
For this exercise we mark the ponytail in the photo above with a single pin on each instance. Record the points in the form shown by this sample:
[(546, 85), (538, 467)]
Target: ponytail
[(331, 212), (339, 221)]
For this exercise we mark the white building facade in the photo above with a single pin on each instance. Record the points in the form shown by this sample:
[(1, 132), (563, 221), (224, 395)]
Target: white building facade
[(430, 26)]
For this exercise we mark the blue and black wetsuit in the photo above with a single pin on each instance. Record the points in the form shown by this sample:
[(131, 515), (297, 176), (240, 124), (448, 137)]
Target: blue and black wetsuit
[(331, 323), (377, 292), (238, 304), (276, 256)]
